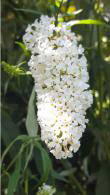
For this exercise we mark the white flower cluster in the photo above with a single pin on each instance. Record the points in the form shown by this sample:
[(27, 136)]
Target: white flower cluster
[(46, 190), (59, 68)]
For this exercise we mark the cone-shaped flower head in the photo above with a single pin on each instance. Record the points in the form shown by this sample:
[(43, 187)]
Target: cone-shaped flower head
[(59, 68)]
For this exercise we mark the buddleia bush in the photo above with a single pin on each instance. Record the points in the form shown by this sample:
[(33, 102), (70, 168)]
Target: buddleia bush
[(55, 117)]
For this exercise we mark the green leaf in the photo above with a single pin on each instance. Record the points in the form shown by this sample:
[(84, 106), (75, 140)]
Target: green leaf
[(14, 178), (29, 156), (28, 11), (23, 47), (58, 176), (12, 70), (103, 180), (73, 13), (67, 172), (15, 158), (23, 138), (46, 164), (31, 120), (88, 21)]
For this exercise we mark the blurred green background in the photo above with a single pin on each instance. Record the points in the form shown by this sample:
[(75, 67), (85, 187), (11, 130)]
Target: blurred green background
[(27, 163)]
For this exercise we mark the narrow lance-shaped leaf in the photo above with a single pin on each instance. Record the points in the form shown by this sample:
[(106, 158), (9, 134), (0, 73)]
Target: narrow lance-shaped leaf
[(23, 47), (28, 158), (31, 120), (46, 163), (88, 21), (28, 11), (14, 178)]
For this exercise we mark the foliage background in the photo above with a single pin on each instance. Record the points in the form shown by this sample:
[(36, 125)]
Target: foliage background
[(28, 163)]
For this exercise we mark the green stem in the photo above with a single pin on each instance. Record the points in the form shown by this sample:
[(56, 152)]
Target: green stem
[(56, 17)]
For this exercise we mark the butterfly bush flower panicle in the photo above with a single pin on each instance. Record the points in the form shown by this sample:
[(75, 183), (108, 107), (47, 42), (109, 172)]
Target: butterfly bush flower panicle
[(59, 68), (46, 190)]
